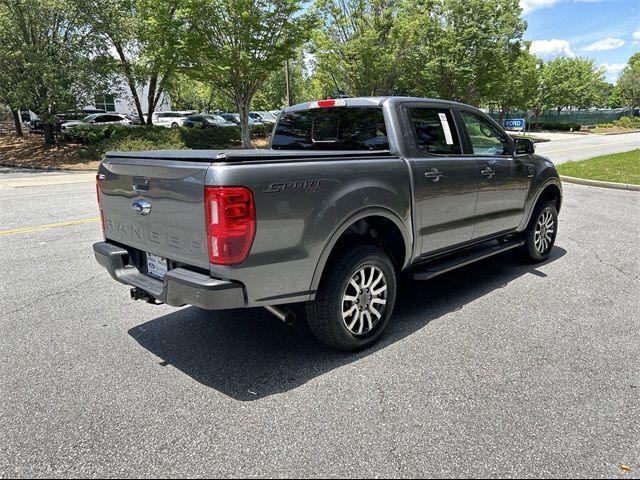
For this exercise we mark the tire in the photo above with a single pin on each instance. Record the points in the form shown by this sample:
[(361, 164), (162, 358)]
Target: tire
[(540, 235), (174, 125), (343, 318)]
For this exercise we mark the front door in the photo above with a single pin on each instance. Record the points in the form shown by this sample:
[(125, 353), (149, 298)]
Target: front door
[(503, 180), (445, 180)]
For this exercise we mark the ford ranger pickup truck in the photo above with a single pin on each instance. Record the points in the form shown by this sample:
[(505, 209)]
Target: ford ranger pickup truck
[(350, 193)]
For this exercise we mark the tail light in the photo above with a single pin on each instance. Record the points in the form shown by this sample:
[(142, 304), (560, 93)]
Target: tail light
[(99, 196), (231, 223)]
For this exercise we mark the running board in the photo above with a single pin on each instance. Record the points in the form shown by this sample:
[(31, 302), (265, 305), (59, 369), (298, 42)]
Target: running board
[(440, 266)]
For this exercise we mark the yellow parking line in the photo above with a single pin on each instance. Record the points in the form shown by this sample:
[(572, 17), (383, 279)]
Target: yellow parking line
[(48, 226), (589, 146)]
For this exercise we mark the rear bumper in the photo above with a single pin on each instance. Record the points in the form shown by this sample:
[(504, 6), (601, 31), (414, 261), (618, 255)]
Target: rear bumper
[(179, 287)]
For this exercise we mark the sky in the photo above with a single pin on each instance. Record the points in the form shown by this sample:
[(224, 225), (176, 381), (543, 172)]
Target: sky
[(606, 30)]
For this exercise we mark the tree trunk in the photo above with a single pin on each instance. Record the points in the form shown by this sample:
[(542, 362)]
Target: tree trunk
[(49, 138), (128, 72), (503, 113), (18, 122), (156, 92), (151, 97), (243, 110)]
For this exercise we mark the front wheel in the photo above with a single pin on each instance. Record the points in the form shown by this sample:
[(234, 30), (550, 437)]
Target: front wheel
[(355, 299), (540, 235)]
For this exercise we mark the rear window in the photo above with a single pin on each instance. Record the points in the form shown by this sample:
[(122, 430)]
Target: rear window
[(435, 131), (339, 128)]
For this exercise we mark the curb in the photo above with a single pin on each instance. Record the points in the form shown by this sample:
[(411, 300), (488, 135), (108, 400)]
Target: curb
[(43, 169), (598, 183)]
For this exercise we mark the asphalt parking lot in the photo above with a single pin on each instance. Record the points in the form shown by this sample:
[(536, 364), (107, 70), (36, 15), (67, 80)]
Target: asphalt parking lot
[(498, 369)]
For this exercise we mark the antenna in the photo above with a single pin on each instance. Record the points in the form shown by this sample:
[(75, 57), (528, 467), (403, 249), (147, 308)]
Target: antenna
[(341, 93)]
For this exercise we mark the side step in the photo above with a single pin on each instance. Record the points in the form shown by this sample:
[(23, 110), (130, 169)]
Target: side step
[(446, 264)]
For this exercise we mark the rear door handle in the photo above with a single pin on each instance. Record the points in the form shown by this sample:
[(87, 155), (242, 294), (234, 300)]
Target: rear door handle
[(488, 172), (434, 173)]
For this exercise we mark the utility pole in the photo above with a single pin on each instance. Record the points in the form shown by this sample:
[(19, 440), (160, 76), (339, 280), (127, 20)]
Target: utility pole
[(287, 81)]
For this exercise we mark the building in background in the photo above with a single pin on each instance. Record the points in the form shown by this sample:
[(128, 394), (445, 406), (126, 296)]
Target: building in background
[(122, 102)]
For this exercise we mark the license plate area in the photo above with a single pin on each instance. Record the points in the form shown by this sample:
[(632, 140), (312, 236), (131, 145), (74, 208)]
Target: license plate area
[(156, 266)]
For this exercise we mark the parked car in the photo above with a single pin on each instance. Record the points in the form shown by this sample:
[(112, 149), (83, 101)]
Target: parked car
[(135, 119), (204, 120), (99, 119), (263, 117), (351, 193), (36, 125), (235, 118), (171, 119)]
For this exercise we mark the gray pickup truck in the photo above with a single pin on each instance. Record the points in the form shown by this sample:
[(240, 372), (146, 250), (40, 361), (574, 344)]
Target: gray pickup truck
[(350, 193)]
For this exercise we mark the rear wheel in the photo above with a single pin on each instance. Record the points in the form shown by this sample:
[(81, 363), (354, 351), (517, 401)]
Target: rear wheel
[(174, 125), (355, 299), (540, 234)]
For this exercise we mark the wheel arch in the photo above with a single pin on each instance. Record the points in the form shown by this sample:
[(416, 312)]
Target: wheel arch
[(362, 224), (552, 190)]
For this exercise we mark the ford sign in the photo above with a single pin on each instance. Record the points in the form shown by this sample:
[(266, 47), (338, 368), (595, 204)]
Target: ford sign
[(513, 123)]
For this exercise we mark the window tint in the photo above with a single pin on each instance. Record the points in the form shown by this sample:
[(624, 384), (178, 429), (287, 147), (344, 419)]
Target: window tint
[(486, 139), (435, 131), (339, 128)]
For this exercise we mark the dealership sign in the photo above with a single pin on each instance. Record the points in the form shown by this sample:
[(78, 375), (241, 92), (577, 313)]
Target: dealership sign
[(513, 123)]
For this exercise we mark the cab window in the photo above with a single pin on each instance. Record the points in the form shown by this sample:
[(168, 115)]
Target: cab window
[(435, 131), (485, 138)]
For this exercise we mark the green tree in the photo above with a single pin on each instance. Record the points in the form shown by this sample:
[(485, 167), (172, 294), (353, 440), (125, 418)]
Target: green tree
[(628, 87), (520, 88), (49, 56), (272, 95), (237, 44), (359, 45), (13, 90), (573, 82), (145, 36), (190, 94), (460, 49)]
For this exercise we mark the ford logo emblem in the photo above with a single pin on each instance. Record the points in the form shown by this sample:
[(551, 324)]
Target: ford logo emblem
[(141, 206)]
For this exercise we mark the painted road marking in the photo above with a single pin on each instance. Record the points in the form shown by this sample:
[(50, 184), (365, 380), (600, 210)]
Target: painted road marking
[(590, 146), (49, 226)]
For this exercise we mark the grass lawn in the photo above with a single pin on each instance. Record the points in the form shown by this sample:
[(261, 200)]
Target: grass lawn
[(619, 167)]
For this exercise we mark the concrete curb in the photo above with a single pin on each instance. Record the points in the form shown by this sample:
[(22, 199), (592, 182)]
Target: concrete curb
[(42, 169), (598, 183)]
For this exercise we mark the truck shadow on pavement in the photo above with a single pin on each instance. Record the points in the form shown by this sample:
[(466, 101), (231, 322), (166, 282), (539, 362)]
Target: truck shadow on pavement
[(248, 354)]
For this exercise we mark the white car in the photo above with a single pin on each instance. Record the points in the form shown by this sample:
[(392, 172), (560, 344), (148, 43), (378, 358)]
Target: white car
[(171, 119), (98, 119)]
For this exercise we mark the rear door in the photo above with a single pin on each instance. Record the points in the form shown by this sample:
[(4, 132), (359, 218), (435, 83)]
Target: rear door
[(174, 225), (445, 180), (503, 180)]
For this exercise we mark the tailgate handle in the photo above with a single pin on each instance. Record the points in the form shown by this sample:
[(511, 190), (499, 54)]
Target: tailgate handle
[(140, 184)]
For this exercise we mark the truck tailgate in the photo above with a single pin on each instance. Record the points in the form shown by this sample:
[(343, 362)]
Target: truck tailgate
[(174, 227)]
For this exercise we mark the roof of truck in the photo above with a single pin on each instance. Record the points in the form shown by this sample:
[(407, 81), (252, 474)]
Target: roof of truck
[(372, 101)]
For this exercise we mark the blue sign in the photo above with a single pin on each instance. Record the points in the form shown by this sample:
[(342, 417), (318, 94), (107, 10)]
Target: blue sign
[(513, 123)]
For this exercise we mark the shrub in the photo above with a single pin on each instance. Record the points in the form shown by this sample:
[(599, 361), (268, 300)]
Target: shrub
[(210, 138), (628, 122), (89, 135), (149, 137), (261, 130), (565, 127)]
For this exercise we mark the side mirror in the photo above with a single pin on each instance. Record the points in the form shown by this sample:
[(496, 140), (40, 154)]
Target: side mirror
[(92, 121), (524, 146)]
